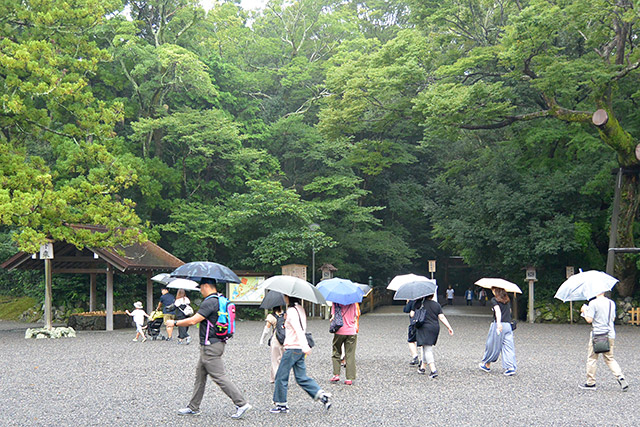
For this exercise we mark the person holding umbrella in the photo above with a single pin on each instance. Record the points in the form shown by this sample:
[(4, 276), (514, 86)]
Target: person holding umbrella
[(427, 316), (296, 344), (211, 351), (500, 338)]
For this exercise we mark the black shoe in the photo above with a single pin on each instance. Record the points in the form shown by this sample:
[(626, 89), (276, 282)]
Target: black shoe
[(279, 409), (433, 374), (422, 371), (588, 386), (414, 361), (325, 400)]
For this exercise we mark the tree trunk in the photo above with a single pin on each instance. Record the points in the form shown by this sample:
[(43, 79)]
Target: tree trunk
[(625, 265)]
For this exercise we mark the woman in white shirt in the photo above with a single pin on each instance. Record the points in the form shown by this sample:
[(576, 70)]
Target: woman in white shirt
[(182, 302)]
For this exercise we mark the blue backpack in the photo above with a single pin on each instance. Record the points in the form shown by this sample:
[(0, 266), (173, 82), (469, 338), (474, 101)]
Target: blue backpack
[(225, 324)]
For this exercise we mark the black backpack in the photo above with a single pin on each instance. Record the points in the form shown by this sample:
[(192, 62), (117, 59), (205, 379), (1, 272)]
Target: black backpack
[(280, 331)]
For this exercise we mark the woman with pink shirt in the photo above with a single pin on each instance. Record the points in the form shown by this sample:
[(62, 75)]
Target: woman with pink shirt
[(346, 336), (296, 348)]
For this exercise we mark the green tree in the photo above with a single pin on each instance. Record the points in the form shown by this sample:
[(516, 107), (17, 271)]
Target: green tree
[(523, 61)]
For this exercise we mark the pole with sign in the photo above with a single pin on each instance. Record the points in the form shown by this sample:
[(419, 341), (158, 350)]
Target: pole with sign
[(46, 253), (531, 278), (569, 273), (432, 267)]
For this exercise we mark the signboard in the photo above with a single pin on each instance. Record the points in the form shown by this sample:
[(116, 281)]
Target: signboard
[(46, 251), (248, 291), (432, 266), (570, 272), (531, 274)]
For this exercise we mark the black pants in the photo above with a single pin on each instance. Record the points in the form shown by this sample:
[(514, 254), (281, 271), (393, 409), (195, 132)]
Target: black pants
[(183, 331), (469, 302)]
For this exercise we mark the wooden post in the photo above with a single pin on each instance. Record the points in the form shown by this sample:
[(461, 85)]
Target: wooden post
[(149, 294), (532, 313), (571, 312), (515, 306), (109, 298), (93, 290), (48, 315)]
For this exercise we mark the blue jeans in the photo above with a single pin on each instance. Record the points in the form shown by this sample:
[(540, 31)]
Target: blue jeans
[(293, 358), (501, 345)]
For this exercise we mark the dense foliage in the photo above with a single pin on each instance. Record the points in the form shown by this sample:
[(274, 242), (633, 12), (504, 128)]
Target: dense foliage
[(407, 130)]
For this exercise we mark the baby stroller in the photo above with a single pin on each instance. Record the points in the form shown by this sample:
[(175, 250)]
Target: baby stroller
[(154, 324)]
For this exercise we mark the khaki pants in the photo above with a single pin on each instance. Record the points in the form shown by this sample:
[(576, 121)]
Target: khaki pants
[(277, 350), (210, 363), (592, 362), (349, 342)]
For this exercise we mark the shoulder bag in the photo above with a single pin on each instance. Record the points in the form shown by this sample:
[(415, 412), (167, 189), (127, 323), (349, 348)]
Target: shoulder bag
[(601, 341), (308, 335), (336, 322)]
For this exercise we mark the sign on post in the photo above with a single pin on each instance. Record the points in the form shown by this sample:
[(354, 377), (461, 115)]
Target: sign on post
[(46, 251), (432, 267)]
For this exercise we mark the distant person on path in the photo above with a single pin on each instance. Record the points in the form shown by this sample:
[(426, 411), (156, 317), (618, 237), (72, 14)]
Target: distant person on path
[(183, 310), (482, 297), (450, 293), (166, 302), (411, 336), (601, 313), (296, 351), (500, 339), (427, 313), (347, 337), (211, 351), (274, 328), (138, 318), (468, 295)]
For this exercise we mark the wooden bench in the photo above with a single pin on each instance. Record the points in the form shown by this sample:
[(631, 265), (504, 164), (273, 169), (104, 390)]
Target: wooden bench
[(635, 316)]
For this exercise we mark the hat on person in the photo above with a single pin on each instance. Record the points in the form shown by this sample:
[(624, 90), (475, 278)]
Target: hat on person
[(137, 304)]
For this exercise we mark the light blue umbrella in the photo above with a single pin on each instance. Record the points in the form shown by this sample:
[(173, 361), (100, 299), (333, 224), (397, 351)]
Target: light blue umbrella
[(341, 291), (416, 289), (585, 285)]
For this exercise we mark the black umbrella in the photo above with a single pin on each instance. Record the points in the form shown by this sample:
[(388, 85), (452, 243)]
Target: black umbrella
[(201, 269), (415, 290), (272, 299)]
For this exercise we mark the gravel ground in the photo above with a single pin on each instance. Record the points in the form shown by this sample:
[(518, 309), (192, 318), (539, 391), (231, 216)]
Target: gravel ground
[(103, 378)]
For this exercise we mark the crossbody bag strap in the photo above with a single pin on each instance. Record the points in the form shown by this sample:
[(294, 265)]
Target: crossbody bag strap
[(299, 318)]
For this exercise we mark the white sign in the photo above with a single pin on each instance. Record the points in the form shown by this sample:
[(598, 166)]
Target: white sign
[(432, 266), (46, 251)]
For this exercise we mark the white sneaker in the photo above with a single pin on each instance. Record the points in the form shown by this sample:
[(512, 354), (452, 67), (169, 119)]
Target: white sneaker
[(135, 339), (240, 411)]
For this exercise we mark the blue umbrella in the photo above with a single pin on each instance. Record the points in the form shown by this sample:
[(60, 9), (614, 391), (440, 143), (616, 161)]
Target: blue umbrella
[(415, 290), (341, 291), (585, 285), (204, 269)]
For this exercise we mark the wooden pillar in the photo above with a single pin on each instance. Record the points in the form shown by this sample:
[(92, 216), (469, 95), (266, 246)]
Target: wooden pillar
[(532, 312), (515, 306), (149, 307), (48, 315), (93, 289), (110, 298)]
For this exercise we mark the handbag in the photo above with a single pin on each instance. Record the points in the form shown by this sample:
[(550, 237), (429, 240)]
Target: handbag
[(308, 335), (336, 322), (601, 341)]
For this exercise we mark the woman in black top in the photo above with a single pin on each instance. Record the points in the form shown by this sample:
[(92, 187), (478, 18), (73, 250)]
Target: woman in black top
[(426, 317), (500, 339)]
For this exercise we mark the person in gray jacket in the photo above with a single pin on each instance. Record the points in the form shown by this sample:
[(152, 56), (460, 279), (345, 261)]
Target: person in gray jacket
[(601, 313)]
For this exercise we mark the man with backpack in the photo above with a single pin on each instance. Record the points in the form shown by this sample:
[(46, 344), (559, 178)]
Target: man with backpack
[(212, 345)]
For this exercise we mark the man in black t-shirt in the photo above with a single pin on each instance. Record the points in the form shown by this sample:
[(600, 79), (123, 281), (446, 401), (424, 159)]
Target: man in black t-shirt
[(211, 351)]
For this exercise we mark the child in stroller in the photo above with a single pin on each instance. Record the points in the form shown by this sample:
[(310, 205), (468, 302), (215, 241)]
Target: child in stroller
[(154, 324)]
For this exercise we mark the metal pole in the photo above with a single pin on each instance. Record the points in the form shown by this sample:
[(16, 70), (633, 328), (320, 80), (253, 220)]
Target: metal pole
[(532, 312), (613, 233), (48, 315)]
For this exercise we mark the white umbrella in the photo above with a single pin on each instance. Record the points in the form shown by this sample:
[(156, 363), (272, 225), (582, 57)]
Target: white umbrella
[(400, 280), (490, 282), (187, 284), (294, 287), (585, 285), (161, 278)]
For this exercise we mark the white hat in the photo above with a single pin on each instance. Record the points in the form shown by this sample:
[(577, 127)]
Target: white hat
[(137, 304)]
